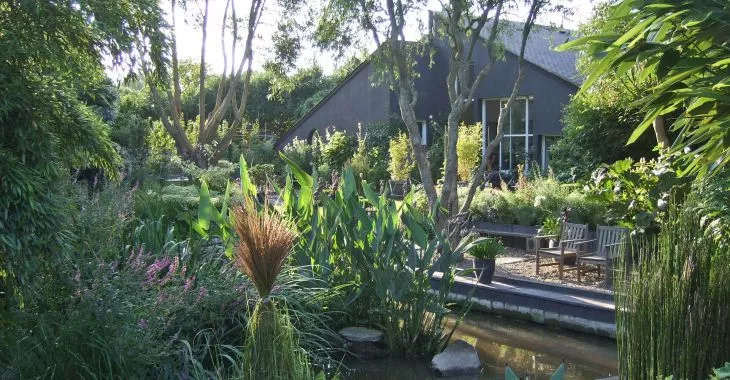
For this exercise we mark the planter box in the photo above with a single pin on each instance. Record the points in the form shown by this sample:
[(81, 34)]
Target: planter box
[(513, 235)]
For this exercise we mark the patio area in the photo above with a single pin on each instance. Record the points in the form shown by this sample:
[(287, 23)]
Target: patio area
[(519, 263)]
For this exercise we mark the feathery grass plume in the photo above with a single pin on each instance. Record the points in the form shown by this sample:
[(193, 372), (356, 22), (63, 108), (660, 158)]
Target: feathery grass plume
[(264, 243), (272, 348), (673, 303)]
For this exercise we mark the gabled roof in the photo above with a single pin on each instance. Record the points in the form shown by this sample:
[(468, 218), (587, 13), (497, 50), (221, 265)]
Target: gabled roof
[(324, 100), (540, 48)]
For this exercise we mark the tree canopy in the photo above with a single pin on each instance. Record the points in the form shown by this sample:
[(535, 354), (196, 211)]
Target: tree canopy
[(53, 111), (682, 47)]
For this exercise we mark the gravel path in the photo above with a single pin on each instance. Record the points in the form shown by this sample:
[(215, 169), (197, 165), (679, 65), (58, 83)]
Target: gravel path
[(520, 264)]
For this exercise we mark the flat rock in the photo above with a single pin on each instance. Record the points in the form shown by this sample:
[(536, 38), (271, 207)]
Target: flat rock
[(459, 358), (361, 334)]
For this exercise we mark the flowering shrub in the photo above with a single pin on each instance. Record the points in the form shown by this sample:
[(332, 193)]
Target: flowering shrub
[(637, 193)]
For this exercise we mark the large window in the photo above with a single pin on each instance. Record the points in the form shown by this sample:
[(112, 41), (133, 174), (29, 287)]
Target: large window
[(517, 142), (547, 142)]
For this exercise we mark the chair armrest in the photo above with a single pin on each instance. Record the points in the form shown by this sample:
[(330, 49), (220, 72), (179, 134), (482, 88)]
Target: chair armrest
[(614, 244), (545, 236), (581, 242), (571, 241)]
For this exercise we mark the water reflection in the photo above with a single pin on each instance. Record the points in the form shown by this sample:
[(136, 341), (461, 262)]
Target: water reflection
[(532, 350)]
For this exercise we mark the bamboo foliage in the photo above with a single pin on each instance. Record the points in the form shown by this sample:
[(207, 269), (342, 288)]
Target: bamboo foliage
[(673, 304)]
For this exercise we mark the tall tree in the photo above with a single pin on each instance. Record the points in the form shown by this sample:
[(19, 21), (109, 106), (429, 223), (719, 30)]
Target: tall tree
[(462, 25), (682, 45), (211, 142)]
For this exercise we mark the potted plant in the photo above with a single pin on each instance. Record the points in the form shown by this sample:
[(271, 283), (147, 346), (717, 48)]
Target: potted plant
[(485, 254), (551, 227)]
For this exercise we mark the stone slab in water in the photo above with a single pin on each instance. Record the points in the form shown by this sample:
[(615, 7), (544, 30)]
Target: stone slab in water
[(459, 358), (361, 334)]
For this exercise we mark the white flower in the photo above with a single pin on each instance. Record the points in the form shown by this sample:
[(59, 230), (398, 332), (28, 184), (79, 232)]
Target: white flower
[(538, 200)]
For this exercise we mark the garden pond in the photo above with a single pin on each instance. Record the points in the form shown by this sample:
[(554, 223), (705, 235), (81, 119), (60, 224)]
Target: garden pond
[(533, 351)]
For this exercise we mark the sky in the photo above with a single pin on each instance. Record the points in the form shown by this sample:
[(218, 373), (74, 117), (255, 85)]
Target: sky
[(189, 37)]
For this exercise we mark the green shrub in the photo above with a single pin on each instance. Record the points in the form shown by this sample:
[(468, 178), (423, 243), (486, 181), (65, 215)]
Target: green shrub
[(216, 176), (468, 149), (526, 215), (370, 164), (401, 161), (711, 200), (338, 149), (585, 209), (637, 193), (378, 135), (488, 249), (302, 153), (261, 174), (535, 200)]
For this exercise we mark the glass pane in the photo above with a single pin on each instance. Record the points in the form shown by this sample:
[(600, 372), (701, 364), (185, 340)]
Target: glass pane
[(518, 152), (549, 142), (517, 117), (504, 154)]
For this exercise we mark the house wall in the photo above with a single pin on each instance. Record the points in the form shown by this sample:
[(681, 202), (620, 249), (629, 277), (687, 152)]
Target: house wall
[(549, 92), (354, 101), (357, 101)]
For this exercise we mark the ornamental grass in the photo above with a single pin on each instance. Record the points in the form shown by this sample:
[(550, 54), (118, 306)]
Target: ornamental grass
[(673, 303), (272, 349)]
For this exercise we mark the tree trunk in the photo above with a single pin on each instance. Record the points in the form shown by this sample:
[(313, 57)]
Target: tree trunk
[(661, 133), (202, 130), (419, 151)]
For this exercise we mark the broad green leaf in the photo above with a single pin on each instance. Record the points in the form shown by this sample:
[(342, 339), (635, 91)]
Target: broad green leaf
[(205, 208), (247, 187)]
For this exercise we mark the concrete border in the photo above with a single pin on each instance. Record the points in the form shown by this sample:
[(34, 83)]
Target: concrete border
[(544, 304)]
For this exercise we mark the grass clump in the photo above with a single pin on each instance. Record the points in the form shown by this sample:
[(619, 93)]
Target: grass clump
[(674, 296), (272, 348)]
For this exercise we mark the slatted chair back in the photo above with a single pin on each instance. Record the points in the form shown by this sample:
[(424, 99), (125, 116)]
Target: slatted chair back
[(610, 240), (572, 231)]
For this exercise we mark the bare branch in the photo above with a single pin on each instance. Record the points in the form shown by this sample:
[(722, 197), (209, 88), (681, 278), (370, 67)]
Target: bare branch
[(478, 176), (202, 131)]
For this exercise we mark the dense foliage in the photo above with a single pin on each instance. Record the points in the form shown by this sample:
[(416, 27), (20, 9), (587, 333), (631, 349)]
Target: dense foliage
[(600, 119), (401, 158), (536, 200), (51, 66), (598, 124), (469, 149), (379, 254), (637, 193), (682, 46)]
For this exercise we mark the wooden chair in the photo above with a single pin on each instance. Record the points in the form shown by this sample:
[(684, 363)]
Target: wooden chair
[(609, 242), (570, 234)]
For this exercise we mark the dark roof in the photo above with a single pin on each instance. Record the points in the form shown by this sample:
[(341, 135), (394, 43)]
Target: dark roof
[(540, 48), (319, 104)]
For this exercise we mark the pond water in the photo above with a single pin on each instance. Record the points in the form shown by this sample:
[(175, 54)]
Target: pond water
[(533, 351)]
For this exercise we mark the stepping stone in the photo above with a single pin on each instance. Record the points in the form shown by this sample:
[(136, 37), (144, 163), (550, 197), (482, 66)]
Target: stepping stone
[(459, 358), (361, 334)]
